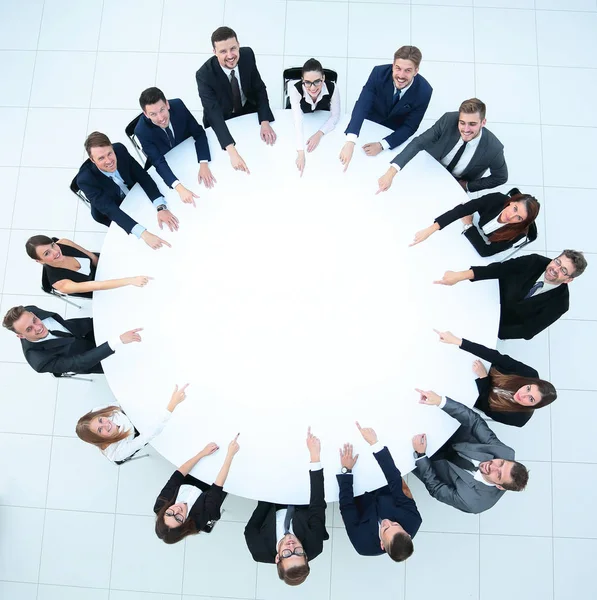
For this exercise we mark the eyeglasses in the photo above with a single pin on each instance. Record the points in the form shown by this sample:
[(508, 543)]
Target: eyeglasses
[(298, 551), (310, 84), (177, 517), (559, 265)]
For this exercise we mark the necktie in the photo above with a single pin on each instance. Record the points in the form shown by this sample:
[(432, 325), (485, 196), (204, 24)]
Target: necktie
[(124, 190), (397, 96), (463, 463), (456, 158), (534, 289), (237, 105), (288, 518), (170, 136), (61, 334)]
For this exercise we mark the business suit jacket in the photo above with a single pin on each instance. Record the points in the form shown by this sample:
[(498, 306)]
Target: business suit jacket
[(488, 207), (206, 508), (308, 524), (104, 194), (522, 318), (361, 518), (440, 139), (77, 354), (449, 483), (156, 144), (216, 94), (376, 104)]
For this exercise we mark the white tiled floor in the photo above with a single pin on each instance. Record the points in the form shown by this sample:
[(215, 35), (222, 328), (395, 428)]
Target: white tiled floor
[(68, 67)]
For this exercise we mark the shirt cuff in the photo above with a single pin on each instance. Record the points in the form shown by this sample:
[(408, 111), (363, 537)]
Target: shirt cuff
[(115, 343), (173, 186), (352, 137), (137, 230), (443, 402), (203, 161), (377, 447), (397, 167), (420, 457), (159, 201), (385, 145), (315, 466)]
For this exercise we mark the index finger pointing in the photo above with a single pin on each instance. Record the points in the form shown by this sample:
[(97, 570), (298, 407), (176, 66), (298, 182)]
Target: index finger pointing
[(358, 425)]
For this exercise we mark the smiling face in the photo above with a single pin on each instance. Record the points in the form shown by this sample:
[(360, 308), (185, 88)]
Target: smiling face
[(49, 253), (158, 113), (470, 125), (313, 82), (515, 212), (30, 327), (104, 158), (496, 471), (387, 530), (403, 72), (227, 52), (290, 542), (104, 427), (559, 270), (175, 515), (528, 395)]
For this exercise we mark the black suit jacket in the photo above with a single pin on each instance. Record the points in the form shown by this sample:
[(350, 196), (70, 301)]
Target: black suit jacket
[(522, 318), (308, 524), (440, 139), (77, 354), (361, 518), (216, 94), (104, 194)]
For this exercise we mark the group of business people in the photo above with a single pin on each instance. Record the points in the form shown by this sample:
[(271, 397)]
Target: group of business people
[(473, 469)]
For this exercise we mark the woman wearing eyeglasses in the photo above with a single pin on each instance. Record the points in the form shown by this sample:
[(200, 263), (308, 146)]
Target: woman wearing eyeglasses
[(70, 268), (503, 221), (511, 391), (109, 429), (186, 505), (309, 94)]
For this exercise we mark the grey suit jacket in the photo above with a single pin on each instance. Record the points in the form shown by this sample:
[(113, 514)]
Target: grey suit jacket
[(453, 485), (442, 137)]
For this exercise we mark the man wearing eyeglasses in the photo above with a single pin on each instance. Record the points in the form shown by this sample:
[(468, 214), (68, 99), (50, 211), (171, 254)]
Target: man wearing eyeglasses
[(290, 536), (533, 290)]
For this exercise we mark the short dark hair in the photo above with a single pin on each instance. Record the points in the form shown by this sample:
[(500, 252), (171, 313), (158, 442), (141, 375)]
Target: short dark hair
[(520, 478), (33, 242), (401, 547), (578, 260), (472, 106), (151, 95), (13, 315), (294, 575), (96, 140), (411, 53), (312, 65), (221, 34)]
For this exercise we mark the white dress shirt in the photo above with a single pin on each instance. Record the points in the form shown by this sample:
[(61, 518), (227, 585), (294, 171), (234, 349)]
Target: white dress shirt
[(188, 494), (547, 287), (466, 157), (492, 225), (85, 267), (53, 324), (236, 70)]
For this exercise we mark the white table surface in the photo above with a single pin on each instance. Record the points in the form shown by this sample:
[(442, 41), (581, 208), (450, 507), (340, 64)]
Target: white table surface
[(287, 302)]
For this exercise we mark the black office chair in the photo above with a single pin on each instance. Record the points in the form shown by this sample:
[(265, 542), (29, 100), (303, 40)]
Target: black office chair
[(130, 134), (71, 375), (78, 192), (46, 286), (294, 73), (532, 233)]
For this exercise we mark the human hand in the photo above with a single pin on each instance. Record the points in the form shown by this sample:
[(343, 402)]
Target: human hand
[(314, 445), (165, 216), (300, 161), (314, 140), (206, 176), (186, 196), (368, 434), (468, 220), (447, 337), (450, 278), (385, 181), (373, 149), (153, 241), (420, 443), (428, 397), (422, 235), (346, 458), (479, 369), (233, 446), (209, 449), (346, 154), (237, 162), (139, 280), (268, 135), (131, 336), (178, 395)]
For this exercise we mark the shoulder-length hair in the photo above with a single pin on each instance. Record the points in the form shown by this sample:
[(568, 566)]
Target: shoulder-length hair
[(513, 230), (505, 386), (172, 535), (84, 433)]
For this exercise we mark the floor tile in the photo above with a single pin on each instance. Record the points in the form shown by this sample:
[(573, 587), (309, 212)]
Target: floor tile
[(573, 568), (270, 69), (526, 578), (12, 123), (112, 122), (123, 595), (20, 562), (70, 25), (131, 26), (19, 27), (582, 305), (60, 592), (18, 591), (33, 452), (130, 569), (9, 177), (533, 352), (446, 96), (357, 73), (16, 74), (505, 3), (588, 5), (4, 244), (70, 559), (239, 509), (81, 478)]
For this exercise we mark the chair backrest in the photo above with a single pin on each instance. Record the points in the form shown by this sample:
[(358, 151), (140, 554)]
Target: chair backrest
[(130, 133), (75, 189), (293, 73)]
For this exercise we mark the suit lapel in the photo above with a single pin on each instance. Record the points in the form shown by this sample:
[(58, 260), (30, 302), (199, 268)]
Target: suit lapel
[(222, 79), (479, 155), (404, 98)]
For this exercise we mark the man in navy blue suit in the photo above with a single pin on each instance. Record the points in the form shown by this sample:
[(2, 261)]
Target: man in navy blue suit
[(107, 177), (394, 96), (165, 124), (384, 520)]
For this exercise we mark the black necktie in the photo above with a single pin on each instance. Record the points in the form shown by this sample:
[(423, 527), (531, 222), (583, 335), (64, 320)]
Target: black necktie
[(534, 289), (61, 334), (170, 136), (397, 97), (456, 158), (463, 463), (288, 518), (237, 104)]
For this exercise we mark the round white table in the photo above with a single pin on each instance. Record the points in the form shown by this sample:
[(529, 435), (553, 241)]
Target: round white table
[(287, 302)]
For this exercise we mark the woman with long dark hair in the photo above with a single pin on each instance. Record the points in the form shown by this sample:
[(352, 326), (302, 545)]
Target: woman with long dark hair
[(186, 505), (109, 429), (511, 391), (503, 221)]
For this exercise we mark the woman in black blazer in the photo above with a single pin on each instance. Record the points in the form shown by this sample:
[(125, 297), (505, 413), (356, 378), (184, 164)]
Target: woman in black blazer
[(503, 221), (70, 268), (186, 505), (511, 391)]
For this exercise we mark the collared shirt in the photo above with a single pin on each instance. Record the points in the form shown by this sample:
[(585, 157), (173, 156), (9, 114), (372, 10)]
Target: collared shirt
[(492, 225), (466, 157), (188, 494), (53, 324), (547, 287), (228, 73)]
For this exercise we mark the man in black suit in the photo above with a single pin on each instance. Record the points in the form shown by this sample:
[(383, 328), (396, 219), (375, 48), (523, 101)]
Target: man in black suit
[(461, 143), (164, 125), (229, 85), (533, 290), (384, 520), (291, 536), (107, 177), (52, 344)]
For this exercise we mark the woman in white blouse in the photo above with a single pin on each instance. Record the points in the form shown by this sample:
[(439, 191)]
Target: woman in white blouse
[(503, 221), (108, 428), (309, 94)]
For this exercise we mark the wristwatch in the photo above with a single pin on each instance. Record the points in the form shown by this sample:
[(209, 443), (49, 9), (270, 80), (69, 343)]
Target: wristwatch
[(162, 207), (345, 470)]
